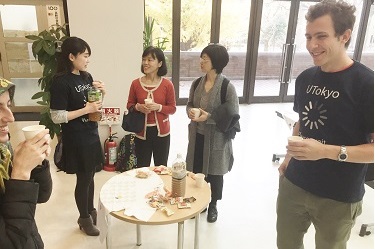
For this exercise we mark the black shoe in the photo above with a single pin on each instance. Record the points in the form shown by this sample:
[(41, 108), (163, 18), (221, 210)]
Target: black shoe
[(212, 214)]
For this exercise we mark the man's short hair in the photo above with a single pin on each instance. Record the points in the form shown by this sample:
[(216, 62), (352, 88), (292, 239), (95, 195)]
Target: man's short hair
[(342, 15)]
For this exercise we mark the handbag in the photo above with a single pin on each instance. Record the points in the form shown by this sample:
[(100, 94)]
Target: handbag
[(134, 121), (126, 156)]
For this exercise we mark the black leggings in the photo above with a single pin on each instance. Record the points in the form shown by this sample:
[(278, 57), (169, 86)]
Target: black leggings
[(155, 146), (84, 193), (216, 181)]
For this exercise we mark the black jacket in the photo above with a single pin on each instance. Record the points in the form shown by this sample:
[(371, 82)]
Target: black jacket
[(18, 229), (227, 120)]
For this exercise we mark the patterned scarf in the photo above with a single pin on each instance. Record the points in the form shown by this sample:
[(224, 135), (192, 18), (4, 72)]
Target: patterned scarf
[(5, 157)]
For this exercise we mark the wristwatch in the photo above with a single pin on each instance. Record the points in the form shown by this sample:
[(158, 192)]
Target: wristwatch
[(343, 155)]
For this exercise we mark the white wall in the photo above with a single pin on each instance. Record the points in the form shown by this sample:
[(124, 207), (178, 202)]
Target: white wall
[(114, 31)]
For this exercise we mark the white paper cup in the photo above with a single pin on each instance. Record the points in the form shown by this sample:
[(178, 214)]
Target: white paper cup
[(196, 112), (295, 138), (148, 101), (31, 131), (199, 180)]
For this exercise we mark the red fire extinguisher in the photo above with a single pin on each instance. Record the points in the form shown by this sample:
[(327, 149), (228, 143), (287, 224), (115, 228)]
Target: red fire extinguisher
[(110, 152)]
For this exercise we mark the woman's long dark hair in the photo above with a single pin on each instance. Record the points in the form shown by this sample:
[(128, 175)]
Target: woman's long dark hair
[(72, 45)]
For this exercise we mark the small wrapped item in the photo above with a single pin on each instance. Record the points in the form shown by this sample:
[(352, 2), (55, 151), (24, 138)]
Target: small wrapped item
[(154, 204), (183, 205), (142, 174), (190, 199), (167, 211), (163, 170)]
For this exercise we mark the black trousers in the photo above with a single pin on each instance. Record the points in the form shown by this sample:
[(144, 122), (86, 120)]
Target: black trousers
[(155, 146), (216, 181)]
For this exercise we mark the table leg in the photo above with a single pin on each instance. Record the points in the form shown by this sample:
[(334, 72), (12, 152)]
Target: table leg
[(139, 235), (196, 236), (108, 238), (180, 242)]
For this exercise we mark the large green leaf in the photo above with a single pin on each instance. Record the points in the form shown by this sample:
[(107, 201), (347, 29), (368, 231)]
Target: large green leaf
[(38, 46), (37, 95), (41, 103), (49, 47), (46, 97), (32, 37)]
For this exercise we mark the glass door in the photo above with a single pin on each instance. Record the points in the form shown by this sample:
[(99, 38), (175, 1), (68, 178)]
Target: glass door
[(282, 54), (281, 50)]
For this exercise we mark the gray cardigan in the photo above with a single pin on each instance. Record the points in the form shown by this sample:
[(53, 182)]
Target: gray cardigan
[(217, 152)]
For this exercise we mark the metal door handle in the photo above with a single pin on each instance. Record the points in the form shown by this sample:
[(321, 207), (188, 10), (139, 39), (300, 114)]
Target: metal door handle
[(283, 63), (285, 71)]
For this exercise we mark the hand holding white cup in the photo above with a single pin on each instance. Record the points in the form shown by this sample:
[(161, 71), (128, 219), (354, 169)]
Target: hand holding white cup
[(148, 101), (196, 112), (31, 131), (294, 138)]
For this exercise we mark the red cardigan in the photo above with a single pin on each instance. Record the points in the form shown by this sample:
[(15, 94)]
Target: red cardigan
[(163, 94)]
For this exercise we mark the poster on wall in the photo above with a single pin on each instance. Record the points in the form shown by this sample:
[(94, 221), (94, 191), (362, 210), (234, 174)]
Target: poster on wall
[(110, 116), (53, 15)]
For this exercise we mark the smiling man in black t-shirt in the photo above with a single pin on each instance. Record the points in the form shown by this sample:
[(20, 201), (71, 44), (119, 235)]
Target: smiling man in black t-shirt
[(322, 176)]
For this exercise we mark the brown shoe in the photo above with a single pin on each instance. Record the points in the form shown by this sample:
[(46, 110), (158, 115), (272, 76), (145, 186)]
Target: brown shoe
[(88, 227)]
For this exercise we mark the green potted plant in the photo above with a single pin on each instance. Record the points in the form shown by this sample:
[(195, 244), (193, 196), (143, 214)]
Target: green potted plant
[(44, 49), (148, 39)]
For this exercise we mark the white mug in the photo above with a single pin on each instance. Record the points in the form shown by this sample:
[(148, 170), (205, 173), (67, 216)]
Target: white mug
[(295, 138), (196, 112), (199, 180), (32, 130)]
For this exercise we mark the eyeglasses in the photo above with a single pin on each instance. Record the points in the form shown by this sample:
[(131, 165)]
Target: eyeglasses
[(204, 59)]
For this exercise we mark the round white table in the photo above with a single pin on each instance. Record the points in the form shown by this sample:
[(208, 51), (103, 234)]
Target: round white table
[(202, 196)]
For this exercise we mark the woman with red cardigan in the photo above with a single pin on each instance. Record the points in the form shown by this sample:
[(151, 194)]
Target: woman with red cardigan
[(154, 139)]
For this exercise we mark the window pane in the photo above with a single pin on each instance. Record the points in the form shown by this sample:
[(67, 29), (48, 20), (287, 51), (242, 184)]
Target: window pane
[(21, 59), (368, 47), (24, 22), (195, 35), (25, 89), (273, 31), (302, 58), (359, 5), (160, 12), (234, 29)]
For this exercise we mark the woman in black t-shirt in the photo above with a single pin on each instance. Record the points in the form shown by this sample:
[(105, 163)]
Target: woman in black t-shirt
[(82, 152)]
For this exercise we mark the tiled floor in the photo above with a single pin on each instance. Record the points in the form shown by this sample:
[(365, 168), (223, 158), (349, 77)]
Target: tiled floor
[(246, 213)]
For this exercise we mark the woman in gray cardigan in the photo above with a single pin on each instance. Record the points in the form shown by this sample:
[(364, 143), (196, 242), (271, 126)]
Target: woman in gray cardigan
[(210, 150)]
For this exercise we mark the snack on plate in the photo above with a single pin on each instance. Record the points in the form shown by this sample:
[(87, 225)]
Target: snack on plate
[(142, 174), (151, 194), (190, 199), (167, 211), (154, 204), (183, 205), (175, 200), (162, 170)]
